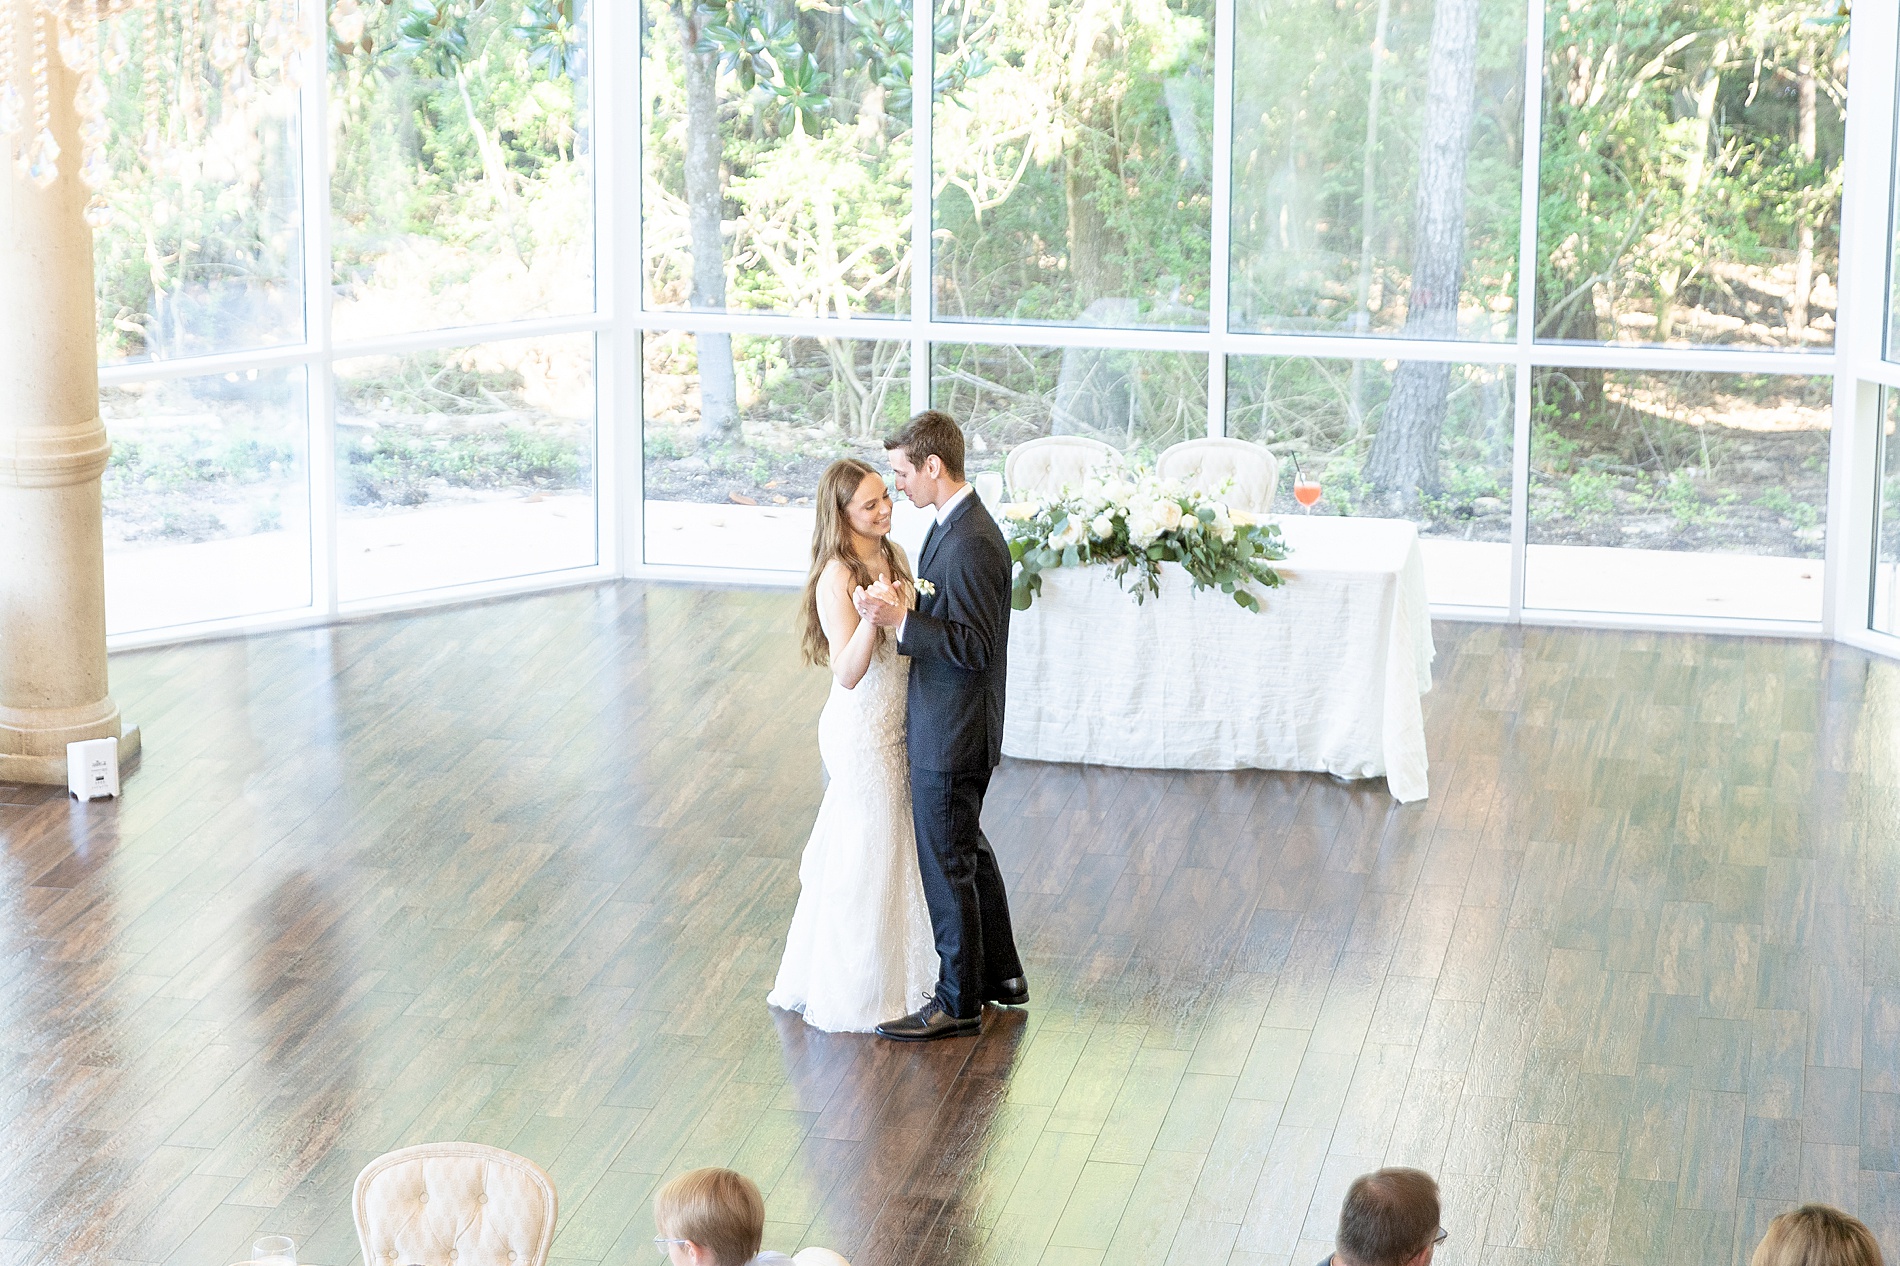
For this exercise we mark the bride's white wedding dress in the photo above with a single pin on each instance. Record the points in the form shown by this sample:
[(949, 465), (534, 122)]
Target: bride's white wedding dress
[(861, 950)]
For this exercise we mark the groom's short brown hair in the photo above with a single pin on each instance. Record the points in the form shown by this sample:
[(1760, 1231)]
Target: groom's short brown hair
[(931, 433)]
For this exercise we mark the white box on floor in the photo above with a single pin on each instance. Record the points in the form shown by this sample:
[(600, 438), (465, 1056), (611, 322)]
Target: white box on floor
[(92, 768)]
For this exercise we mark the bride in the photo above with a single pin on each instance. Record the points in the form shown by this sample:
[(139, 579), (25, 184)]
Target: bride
[(860, 949)]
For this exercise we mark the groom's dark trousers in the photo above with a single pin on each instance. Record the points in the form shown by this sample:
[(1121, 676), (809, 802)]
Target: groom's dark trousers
[(958, 642)]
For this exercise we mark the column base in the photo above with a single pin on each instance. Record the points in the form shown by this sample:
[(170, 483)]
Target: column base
[(50, 771)]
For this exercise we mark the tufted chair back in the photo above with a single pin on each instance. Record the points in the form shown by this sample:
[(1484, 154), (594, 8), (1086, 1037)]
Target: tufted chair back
[(454, 1204), (1052, 462), (1205, 465)]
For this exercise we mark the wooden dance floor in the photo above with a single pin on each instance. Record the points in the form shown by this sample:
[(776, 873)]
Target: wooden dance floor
[(1629, 982)]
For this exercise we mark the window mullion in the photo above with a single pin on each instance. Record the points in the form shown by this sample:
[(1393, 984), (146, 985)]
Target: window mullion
[(320, 387), (923, 100), (1221, 248), (1526, 300)]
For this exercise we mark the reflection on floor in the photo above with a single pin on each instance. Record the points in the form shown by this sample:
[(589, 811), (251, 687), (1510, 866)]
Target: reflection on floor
[(1629, 982), (1457, 573)]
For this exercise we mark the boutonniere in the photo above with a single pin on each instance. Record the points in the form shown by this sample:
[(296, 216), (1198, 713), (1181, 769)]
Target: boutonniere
[(925, 588)]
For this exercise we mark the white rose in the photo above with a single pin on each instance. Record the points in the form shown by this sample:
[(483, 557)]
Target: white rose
[(1240, 518), (1103, 527), (1169, 514), (1071, 533)]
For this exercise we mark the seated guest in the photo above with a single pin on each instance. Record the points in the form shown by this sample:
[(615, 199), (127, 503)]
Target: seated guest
[(715, 1217), (1390, 1218), (1817, 1235)]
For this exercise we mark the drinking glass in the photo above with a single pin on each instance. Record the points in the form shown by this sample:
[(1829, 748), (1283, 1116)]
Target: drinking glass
[(1306, 492), (275, 1250)]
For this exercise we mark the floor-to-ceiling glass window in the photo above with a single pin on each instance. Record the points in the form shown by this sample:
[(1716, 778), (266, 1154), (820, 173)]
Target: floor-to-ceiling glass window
[(460, 192), (1690, 196), (1678, 493), (198, 251), (777, 157)]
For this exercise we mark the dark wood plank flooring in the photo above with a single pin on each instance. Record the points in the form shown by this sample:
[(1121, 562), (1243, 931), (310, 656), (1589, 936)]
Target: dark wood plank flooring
[(518, 872)]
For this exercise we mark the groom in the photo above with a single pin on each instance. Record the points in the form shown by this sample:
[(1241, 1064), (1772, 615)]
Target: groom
[(957, 640)]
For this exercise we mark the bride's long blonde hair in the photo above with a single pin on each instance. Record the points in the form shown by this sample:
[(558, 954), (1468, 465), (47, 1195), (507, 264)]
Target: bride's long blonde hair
[(831, 537)]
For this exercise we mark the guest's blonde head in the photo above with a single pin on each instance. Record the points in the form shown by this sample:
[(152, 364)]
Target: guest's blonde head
[(1817, 1235), (717, 1209)]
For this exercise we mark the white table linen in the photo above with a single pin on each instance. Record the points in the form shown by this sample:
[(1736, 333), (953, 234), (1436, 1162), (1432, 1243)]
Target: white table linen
[(1327, 677)]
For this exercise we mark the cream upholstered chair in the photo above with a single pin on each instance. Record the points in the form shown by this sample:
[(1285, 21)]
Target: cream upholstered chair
[(1206, 465), (454, 1204), (1047, 464)]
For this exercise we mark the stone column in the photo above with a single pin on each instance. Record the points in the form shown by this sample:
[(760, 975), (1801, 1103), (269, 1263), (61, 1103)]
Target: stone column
[(52, 451)]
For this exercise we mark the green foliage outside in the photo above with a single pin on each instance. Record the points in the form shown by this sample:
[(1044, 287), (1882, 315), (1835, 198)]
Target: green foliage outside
[(1326, 164), (1138, 402), (202, 248), (204, 459), (449, 425), (1300, 407), (796, 397), (1727, 463), (1692, 171), (1074, 176), (460, 186)]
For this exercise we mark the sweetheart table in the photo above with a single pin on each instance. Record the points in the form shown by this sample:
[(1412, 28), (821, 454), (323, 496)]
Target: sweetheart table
[(1326, 677)]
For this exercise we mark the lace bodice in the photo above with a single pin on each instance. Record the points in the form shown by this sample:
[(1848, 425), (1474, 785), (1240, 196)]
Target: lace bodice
[(869, 716)]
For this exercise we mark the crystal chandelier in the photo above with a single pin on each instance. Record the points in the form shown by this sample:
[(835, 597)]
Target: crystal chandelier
[(198, 57)]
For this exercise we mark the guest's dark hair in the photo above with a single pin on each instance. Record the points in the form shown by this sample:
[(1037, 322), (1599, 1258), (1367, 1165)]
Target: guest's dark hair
[(1389, 1217), (931, 433)]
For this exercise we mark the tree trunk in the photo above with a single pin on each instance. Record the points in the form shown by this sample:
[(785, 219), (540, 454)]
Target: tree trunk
[(1404, 458), (1669, 282), (1804, 252), (1091, 242), (718, 388)]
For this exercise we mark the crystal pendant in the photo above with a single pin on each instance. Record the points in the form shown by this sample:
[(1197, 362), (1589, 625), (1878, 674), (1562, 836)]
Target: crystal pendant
[(98, 214), (42, 159), (12, 110), (72, 50), (92, 97), (94, 169)]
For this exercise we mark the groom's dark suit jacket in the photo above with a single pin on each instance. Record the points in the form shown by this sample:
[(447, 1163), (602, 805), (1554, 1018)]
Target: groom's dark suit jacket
[(958, 641)]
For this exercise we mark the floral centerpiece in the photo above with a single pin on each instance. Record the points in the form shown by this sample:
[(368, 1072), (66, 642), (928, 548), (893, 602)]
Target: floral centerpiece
[(1130, 519)]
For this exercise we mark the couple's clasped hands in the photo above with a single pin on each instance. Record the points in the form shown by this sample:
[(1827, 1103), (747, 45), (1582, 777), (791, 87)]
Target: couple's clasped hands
[(883, 604)]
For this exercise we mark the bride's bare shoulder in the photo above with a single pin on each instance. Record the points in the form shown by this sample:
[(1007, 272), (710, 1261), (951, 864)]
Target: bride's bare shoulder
[(835, 578)]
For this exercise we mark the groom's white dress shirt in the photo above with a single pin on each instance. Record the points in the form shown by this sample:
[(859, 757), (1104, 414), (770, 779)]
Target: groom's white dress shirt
[(943, 512)]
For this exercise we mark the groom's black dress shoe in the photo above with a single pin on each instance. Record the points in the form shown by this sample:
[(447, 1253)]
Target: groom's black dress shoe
[(928, 1024), (1013, 992)]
